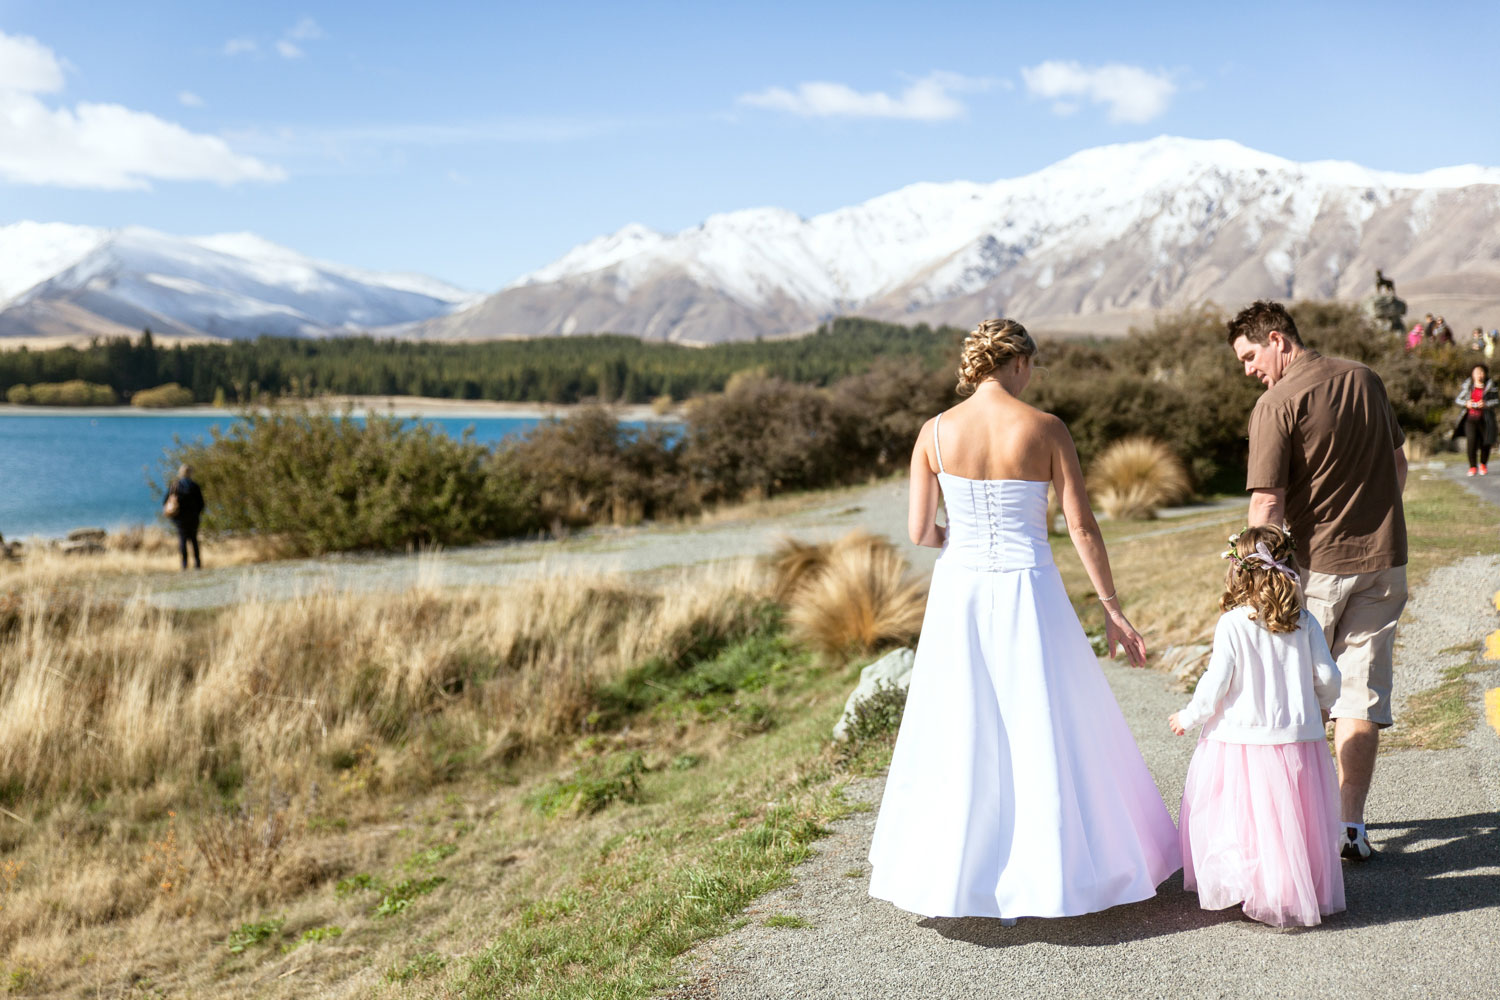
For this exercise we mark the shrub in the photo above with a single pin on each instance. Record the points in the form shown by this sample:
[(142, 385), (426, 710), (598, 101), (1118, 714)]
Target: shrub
[(75, 392), (592, 786), (589, 469), (163, 396), (763, 436), (881, 411), (879, 715), (862, 599), (18, 395), (324, 482), (1135, 476)]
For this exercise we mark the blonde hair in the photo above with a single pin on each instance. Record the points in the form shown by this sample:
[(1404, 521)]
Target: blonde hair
[(1270, 594), (991, 346)]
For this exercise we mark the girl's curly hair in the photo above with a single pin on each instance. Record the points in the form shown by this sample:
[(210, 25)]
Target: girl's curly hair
[(1273, 598), (990, 346)]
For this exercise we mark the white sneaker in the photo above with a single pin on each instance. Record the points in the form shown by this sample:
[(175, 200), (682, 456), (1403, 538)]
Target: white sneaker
[(1354, 845)]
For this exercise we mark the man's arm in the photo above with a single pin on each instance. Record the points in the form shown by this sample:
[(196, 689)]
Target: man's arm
[(1400, 471), (1269, 506)]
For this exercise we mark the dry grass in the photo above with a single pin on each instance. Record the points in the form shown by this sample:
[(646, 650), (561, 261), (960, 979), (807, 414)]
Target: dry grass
[(172, 776), (140, 551), (97, 693), (849, 597), (1135, 476)]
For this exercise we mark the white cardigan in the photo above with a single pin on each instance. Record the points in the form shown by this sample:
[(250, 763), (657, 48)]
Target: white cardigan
[(1262, 686)]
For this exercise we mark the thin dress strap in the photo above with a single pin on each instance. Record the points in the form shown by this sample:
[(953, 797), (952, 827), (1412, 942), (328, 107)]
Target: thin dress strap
[(935, 446)]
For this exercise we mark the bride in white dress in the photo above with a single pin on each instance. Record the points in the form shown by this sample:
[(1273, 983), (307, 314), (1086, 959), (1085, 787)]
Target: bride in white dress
[(1016, 788)]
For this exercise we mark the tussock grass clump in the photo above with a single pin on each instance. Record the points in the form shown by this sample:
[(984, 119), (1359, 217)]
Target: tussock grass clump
[(853, 597), (1135, 476)]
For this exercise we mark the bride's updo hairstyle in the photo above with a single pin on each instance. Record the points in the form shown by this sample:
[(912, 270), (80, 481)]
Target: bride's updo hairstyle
[(991, 346)]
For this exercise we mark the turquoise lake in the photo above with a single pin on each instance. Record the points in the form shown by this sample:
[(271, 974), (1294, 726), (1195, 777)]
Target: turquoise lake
[(64, 471)]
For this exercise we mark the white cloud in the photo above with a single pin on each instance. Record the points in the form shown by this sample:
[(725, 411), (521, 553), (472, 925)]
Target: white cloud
[(239, 46), (288, 50), (188, 99), (28, 66), (103, 146), (305, 30), (1132, 94), (929, 99)]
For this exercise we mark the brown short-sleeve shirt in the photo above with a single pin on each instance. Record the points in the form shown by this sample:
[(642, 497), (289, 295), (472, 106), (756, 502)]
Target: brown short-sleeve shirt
[(1326, 433)]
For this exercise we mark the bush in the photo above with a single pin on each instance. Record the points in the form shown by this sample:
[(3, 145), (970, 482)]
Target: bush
[(163, 396), (72, 393), (589, 469), (18, 395), (322, 482), (879, 715), (858, 601), (763, 436), (1135, 476)]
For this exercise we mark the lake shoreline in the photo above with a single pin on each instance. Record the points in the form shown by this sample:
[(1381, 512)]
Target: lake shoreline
[(410, 407)]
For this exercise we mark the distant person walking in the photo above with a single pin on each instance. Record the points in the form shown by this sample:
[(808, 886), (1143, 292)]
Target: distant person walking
[(183, 505), (1442, 332), (1325, 456), (1414, 338), (1476, 339), (1479, 397), (1491, 344)]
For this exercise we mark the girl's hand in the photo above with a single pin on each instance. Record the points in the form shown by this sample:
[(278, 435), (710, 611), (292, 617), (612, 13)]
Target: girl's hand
[(1118, 630), (1175, 726)]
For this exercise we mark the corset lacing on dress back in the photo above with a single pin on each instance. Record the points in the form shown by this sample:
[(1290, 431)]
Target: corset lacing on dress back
[(994, 525)]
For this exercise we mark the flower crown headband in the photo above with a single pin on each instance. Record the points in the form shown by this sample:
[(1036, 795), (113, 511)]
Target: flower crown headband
[(1261, 554)]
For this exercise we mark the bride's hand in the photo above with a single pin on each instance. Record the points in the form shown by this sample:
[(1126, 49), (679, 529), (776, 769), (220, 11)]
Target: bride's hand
[(1118, 630)]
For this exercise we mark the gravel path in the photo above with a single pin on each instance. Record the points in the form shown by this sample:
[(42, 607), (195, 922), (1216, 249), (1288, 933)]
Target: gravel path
[(1423, 918), (880, 508)]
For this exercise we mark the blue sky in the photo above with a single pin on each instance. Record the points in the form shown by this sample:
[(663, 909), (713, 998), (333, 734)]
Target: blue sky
[(476, 141)]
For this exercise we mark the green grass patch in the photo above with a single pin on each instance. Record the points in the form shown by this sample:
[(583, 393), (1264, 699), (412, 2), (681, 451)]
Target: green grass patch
[(1441, 717), (248, 935), (1445, 523), (431, 856), (313, 935), (593, 786), (398, 897), (627, 891), (428, 963), (786, 920)]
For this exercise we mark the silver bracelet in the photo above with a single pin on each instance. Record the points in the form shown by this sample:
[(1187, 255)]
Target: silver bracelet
[(1111, 597)]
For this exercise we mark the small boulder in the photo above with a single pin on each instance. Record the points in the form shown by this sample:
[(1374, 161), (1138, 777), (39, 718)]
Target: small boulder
[(87, 535), (1186, 663), (894, 668)]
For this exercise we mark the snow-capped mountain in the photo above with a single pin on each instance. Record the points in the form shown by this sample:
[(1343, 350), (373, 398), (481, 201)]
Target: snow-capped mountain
[(64, 280), (1108, 232)]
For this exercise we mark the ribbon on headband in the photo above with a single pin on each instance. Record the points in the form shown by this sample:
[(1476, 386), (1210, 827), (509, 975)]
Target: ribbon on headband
[(1263, 553)]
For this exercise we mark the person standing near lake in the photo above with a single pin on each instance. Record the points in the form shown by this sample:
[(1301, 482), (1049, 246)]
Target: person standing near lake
[(183, 505), (1016, 788), (1326, 459)]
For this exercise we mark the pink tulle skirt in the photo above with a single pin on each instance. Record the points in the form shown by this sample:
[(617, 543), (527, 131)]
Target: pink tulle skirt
[(1260, 827)]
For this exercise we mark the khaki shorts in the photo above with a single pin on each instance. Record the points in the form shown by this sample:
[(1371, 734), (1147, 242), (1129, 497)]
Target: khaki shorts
[(1358, 612)]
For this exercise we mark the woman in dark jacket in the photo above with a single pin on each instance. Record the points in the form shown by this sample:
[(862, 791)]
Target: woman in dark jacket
[(184, 506), (1479, 398)]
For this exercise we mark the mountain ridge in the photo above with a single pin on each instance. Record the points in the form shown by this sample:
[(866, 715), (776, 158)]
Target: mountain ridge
[(1113, 231), (63, 280)]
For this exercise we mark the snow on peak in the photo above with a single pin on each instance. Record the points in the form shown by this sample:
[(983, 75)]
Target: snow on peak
[(947, 237), (32, 252)]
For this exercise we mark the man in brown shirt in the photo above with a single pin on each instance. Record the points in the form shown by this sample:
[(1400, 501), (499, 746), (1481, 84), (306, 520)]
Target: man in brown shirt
[(1326, 457)]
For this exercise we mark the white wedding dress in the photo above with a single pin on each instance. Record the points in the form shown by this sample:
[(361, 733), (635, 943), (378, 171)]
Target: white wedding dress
[(1016, 788)]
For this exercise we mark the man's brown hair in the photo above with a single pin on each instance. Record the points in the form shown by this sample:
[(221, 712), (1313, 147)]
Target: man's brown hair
[(1256, 321)]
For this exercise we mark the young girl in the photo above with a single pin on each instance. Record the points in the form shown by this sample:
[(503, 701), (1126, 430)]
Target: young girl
[(1259, 820)]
